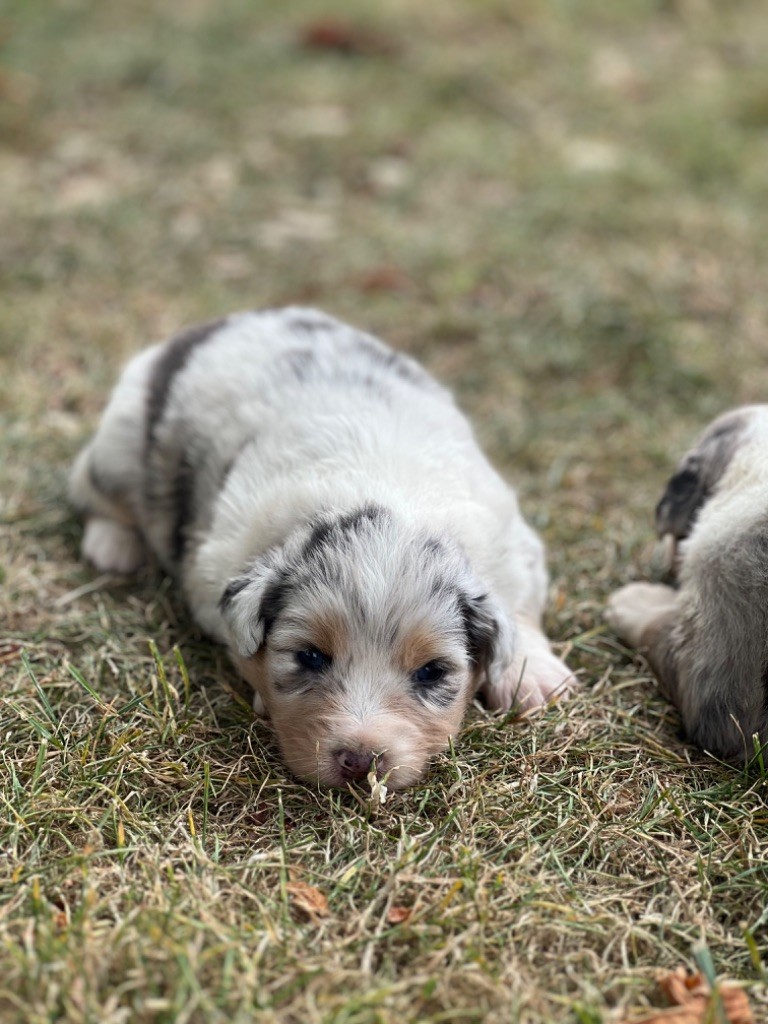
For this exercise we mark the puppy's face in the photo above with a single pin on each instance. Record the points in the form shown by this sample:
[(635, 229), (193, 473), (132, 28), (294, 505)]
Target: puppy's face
[(366, 640)]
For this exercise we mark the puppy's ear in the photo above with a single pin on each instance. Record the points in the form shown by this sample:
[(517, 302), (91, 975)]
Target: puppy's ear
[(699, 473), (490, 636), (683, 496), (252, 601)]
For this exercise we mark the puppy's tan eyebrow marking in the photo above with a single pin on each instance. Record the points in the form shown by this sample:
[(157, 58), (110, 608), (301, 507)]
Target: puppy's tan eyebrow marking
[(416, 648), (329, 634)]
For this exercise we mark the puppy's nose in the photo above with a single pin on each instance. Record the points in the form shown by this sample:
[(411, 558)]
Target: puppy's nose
[(354, 764)]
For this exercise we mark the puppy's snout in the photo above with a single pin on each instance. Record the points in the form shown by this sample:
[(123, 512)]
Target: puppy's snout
[(354, 764)]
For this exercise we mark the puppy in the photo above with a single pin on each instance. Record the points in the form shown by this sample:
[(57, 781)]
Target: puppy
[(329, 517), (707, 640)]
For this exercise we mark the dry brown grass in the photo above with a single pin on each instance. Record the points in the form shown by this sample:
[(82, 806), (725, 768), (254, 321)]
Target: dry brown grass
[(560, 208)]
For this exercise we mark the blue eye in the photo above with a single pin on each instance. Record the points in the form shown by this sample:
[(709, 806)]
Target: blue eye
[(312, 660), (430, 673)]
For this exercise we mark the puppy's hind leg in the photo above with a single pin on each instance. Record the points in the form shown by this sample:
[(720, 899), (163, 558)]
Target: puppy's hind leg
[(645, 615), (107, 480), (634, 607), (112, 547), (111, 541), (706, 646)]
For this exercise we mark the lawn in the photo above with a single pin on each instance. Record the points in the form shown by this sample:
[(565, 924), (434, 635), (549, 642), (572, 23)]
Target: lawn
[(562, 209)]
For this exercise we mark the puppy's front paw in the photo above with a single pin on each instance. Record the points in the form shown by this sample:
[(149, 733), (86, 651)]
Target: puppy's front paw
[(634, 607), (112, 547), (540, 680), (535, 678)]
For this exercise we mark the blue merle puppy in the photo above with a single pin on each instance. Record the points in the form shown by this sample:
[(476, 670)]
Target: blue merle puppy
[(328, 516)]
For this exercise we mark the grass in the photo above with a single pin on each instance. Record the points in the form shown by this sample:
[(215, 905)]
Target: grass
[(560, 208)]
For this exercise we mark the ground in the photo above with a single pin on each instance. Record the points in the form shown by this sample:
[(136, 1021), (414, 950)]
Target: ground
[(562, 209)]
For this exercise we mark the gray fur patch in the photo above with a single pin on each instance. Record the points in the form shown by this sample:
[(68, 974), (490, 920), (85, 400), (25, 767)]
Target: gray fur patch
[(300, 362), (102, 482), (721, 644), (171, 479), (393, 362), (183, 506), (333, 532), (309, 324)]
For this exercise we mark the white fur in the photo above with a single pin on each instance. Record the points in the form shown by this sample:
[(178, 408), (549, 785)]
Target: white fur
[(356, 426), (111, 546)]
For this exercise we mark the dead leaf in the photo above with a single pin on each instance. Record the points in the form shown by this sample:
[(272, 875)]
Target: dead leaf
[(9, 650), (308, 899), (694, 1003), (398, 915), (346, 37), (385, 278)]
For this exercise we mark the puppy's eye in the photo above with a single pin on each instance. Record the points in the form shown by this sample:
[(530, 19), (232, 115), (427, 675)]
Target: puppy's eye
[(428, 674), (312, 660)]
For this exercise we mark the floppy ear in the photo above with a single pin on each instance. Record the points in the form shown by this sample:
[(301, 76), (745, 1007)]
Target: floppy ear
[(252, 601), (491, 636), (683, 497), (699, 472)]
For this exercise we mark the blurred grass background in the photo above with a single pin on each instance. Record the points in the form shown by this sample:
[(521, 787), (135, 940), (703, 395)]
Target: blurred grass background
[(561, 208)]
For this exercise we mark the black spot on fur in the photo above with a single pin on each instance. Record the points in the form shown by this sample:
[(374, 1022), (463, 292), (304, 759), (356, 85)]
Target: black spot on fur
[(684, 495), (394, 362), (183, 504), (173, 359), (698, 476), (328, 532), (274, 600), (233, 588), (369, 513), (309, 324), (480, 628), (318, 538), (300, 362)]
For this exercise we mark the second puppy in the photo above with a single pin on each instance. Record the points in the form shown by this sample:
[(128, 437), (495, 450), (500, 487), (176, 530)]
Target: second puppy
[(707, 640)]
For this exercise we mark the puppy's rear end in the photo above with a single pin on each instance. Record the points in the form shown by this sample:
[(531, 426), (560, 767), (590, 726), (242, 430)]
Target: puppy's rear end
[(707, 640)]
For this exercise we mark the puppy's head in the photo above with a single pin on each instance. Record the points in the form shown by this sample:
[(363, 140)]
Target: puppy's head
[(366, 639)]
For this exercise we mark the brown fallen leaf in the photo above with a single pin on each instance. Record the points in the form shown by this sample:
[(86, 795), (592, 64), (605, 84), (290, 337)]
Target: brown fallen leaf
[(693, 1002), (384, 278), (346, 37), (308, 899), (10, 650), (398, 915)]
